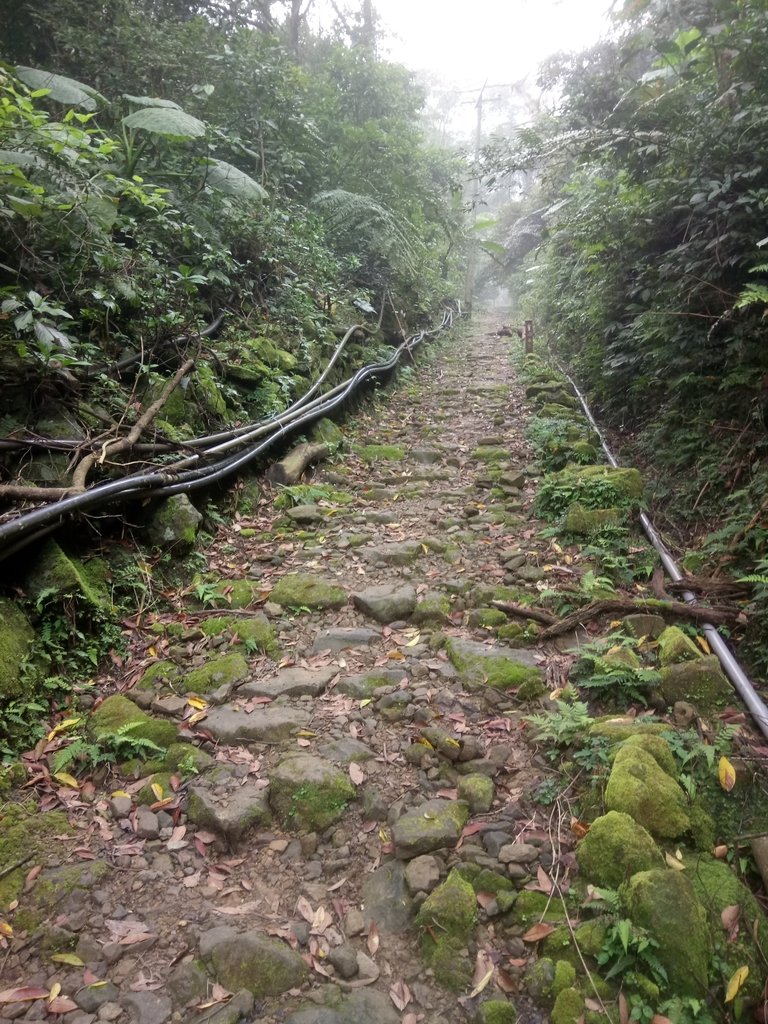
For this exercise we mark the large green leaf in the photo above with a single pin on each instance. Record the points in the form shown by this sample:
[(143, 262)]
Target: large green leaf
[(230, 179), (60, 88), (19, 158), (165, 121), (151, 101)]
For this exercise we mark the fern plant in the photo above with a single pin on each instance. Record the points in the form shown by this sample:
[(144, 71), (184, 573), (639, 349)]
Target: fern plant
[(563, 725), (121, 744), (628, 948)]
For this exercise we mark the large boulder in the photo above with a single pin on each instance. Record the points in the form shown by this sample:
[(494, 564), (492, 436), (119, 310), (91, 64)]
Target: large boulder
[(637, 786), (308, 793), (174, 524), (16, 636), (615, 848), (263, 966), (702, 683), (430, 826), (447, 918)]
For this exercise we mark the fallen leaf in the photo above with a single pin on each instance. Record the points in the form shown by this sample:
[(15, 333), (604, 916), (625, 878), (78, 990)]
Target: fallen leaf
[(545, 882), (730, 919), (373, 938), (727, 774), (67, 958), (67, 780), (22, 995), (304, 908), (61, 1004), (400, 994), (505, 982), (538, 932), (32, 874), (484, 968), (356, 773), (673, 862), (735, 983), (623, 1009)]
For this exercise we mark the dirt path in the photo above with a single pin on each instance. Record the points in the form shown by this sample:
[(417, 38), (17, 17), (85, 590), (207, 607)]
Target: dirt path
[(352, 835)]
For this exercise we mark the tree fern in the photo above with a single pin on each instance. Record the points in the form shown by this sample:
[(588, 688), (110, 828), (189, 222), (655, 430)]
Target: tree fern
[(378, 228)]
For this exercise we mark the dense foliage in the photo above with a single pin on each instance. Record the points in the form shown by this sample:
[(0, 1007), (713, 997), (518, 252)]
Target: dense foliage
[(160, 162), (650, 278)]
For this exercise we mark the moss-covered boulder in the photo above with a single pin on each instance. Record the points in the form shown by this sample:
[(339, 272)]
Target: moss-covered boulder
[(477, 791), (490, 618), (568, 1008), (327, 432), (25, 830), (187, 759), (220, 670), (116, 712), (160, 675), (702, 683), (497, 1011), (665, 903), (447, 918), (227, 593), (206, 393), (640, 625), (615, 848), (263, 966), (657, 747), (500, 667), (16, 636), (174, 524), (676, 647), (618, 729), (380, 452), (308, 793), (429, 826), (56, 574), (637, 786), (537, 906), (300, 590), (254, 631), (432, 610)]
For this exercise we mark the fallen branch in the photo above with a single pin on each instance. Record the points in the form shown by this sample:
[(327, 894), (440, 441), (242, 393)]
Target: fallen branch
[(123, 443), (523, 611), (289, 470), (675, 609)]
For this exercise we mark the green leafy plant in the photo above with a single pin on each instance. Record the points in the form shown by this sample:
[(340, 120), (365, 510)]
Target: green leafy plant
[(628, 948), (563, 725)]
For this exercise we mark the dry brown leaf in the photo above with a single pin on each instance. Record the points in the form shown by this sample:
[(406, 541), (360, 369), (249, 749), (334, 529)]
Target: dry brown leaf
[(304, 908), (504, 981), (484, 968), (400, 994), (545, 882), (730, 920), (623, 1009), (373, 939), (356, 773), (538, 932), (22, 995), (61, 1004)]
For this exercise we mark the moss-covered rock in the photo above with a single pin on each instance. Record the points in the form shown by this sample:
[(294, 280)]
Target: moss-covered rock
[(447, 918), (489, 618), (532, 907), (117, 711), (499, 667), (540, 980), (665, 903), (380, 452), (676, 647), (230, 593), (584, 522), (477, 791), (25, 830), (299, 590), (174, 524), (205, 391), (491, 453), (485, 880), (702, 683), (220, 670), (160, 675), (431, 610), (187, 759), (309, 794), (263, 966), (157, 787), (16, 636), (327, 432), (590, 937), (255, 631), (429, 826), (52, 886), (657, 747), (615, 848), (565, 976), (618, 729), (568, 1008), (497, 1011), (54, 573), (639, 787)]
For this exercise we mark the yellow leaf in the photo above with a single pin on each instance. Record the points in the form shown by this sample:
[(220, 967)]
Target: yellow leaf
[(67, 780), (734, 985), (727, 774), (157, 789), (55, 990), (120, 792), (396, 656), (425, 742), (702, 642), (416, 639), (68, 723), (5, 929), (197, 702), (569, 559), (67, 958), (306, 732), (197, 717), (425, 549), (366, 702), (152, 651), (556, 547), (615, 624)]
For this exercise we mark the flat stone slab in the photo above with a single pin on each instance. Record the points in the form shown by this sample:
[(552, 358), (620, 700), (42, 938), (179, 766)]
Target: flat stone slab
[(305, 514), (264, 966), (386, 899), (346, 749), (475, 649), (343, 638), (290, 682), (386, 602), (432, 825), (270, 724), (396, 553), (365, 684), (229, 807), (366, 1005)]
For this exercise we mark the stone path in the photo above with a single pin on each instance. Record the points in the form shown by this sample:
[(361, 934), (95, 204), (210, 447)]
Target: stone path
[(337, 825)]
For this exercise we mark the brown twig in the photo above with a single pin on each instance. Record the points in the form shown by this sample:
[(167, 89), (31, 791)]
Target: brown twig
[(16, 865), (522, 611), (676, 609)]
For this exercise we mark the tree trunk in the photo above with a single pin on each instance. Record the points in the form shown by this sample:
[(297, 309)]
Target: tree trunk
[(289, 469)]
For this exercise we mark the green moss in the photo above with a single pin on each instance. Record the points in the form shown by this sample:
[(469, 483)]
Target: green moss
[(380, 452), (676, 647), (532, 690), (53, 886), (590, 937), (500, 672), (235, 594), (565, 976), (256, 630), (310, 494), (205, 391), (559, 946), (447, 918), (702, 682), (24, 830), (665, 903), (298, 590), (488, 618), (532, 907), (16, 636), (162, 780), (583, 522), (176, 410), (161, 674), (180, 754), (117, 711), (431, 610), (174, 523), (53, 573), (484, 880), (497, 1011), (491, 454), (477, 791), (615, 848), (616, 730), (657, 747), (308, 794), (540, 979), (218, 671), (512, 631), (325, 430), (638, 787), (568, 1008)]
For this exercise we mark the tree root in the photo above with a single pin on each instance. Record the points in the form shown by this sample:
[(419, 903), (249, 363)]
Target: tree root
[(289, 469)]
